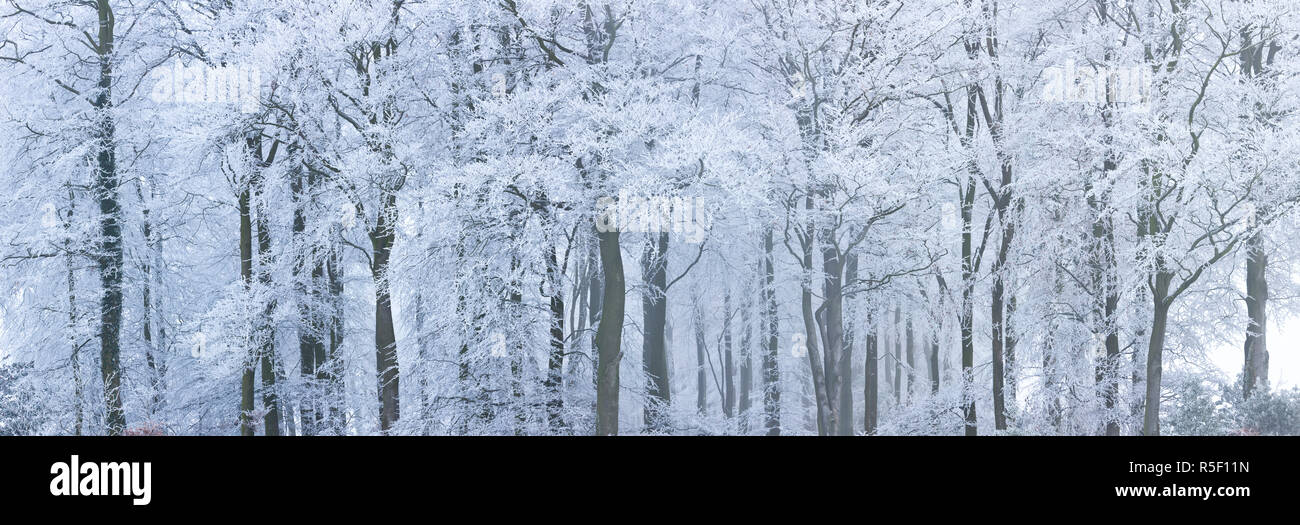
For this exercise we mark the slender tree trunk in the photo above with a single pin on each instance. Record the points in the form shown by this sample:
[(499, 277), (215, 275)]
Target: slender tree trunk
[(911, 362), (555, 363), (746, 362), (771, 370), (382, 239), (266, 330), (1255, 370), (609, 335), (845, 415), (78, 385), (1254, 62), (654, 308), (246, 274), (333, 371), (1104, 264), (934, 362), (811, 334), (967, 305), (701, 378), (1155, 351), (997, 311), (898, 356), (311, 325), (871, 388), (728, 361), (110, 255), (153, 360)]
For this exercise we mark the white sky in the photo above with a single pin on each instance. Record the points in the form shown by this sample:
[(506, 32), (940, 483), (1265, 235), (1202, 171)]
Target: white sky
[(1283, 361)]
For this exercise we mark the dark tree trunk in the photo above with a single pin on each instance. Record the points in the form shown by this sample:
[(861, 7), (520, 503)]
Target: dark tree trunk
[(1254, 63), (78, 384), (654, 307), (1255, 370), (871, 388), (381, 240), (109, 259), (898, 356), (999, 401), (934, 363), (728, 362), (911, 362), (246, 388), (333, 371), (1155, 351), (967, 305), (555, 363), (266, 330), (845, 421), (701, 378), (609, 335), (771, 371), (746, 361)]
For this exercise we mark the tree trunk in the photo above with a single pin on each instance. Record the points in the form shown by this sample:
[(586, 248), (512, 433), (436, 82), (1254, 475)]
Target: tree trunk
[(845, 415), (109, 260), (311, 325), (246, 273), (1155, 351), (811, 334), (266, 330), (609, 335), (934, 363), (746, 362), (832, 330), (871, 388), (898, 356), (701, 349), (771, 370), (382, 238), (333, 372), (1255, 370), (78, 384), (728, 361), (967, 304), (555, 363), (654, 308), (999, 402), (911, 362)]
